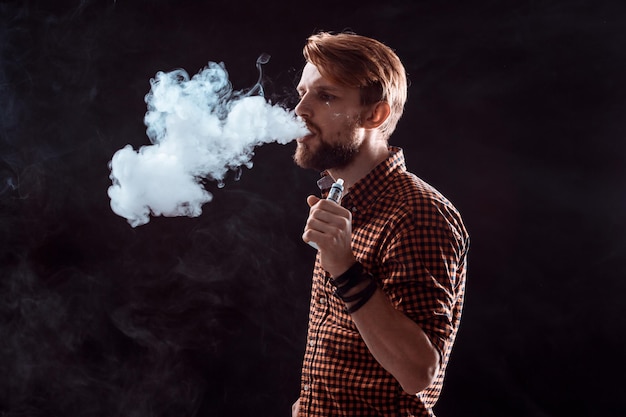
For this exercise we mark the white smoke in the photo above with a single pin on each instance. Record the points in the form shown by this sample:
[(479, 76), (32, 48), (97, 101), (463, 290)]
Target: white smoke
[(200, 129)]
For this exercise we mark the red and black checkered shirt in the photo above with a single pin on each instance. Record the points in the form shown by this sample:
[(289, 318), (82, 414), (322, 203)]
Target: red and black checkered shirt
[(413, 241)]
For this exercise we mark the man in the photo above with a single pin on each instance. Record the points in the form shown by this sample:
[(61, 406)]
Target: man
[(389, 275)]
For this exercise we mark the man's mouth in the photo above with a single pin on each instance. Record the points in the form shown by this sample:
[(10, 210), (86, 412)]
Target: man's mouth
[(305, 138), (312, 133)]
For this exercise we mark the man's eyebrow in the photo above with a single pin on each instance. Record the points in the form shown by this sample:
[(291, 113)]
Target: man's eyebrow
[(328, 88), (323, 88)]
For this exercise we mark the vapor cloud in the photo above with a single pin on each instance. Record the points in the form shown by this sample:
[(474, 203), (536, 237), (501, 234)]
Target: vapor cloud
[(200, 129)]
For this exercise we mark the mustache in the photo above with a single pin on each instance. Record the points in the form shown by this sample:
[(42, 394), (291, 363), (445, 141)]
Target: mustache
[(312, 127)]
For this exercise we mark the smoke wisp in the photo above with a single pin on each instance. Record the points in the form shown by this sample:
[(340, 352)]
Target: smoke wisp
[(200, 128)]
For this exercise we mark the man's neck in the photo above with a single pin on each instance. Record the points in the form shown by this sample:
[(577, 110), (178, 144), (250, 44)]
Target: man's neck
[(368, 158)]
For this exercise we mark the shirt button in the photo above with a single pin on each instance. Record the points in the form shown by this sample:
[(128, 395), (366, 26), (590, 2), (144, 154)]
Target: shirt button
[(306, 387), (322, 300), (311, 342), (353, 209)]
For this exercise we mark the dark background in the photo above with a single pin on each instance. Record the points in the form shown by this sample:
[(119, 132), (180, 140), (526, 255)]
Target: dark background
[(516, 112)]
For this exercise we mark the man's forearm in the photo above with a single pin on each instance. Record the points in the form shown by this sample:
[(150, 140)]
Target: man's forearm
[(396, 342)]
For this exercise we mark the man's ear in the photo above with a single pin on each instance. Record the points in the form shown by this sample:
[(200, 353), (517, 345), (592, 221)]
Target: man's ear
[(377, 115)]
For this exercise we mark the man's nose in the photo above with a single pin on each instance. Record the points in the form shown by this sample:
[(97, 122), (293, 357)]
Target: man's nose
[(302, 108)]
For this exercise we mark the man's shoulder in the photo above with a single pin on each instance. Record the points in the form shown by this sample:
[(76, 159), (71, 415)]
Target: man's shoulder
[(422, 202), (413, 189)]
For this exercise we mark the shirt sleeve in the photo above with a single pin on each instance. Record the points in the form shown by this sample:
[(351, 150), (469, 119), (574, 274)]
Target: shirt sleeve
[(421, 270)]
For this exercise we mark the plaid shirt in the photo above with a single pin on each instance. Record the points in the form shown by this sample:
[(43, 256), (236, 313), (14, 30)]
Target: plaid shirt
[(414, 242)]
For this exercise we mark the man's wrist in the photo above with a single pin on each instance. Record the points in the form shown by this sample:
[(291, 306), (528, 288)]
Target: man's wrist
[(350, 277), (354, 287)]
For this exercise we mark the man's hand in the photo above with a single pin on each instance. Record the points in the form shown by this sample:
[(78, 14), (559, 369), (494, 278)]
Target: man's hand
[(330, 226), (295, 408)]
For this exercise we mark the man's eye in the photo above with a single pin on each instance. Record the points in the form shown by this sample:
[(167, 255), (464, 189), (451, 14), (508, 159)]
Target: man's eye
[(326, 97)]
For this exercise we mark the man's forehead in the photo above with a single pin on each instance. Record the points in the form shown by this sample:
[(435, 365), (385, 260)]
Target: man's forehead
[(311, 77), (310, 71)]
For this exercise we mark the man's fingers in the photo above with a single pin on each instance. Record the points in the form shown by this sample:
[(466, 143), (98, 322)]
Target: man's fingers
[(330, 207), (312, 200)]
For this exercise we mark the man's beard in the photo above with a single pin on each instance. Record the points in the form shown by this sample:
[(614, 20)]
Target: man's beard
[(327, 155)]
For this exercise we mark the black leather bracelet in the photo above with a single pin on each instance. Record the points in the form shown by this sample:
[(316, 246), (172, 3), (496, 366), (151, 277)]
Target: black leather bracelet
[(364, 296), (345, 282), (355, 271), (353, 282)]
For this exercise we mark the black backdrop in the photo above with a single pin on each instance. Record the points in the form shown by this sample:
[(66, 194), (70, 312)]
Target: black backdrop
[(516, 112)]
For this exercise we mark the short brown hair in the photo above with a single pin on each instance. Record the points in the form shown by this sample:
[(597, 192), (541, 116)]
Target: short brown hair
[(357, 61)]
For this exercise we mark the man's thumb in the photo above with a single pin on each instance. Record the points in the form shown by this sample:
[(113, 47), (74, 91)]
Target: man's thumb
[(312, 200)]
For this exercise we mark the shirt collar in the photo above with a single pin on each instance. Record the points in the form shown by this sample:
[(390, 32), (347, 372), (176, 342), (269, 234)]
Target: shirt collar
[(365, 191)]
